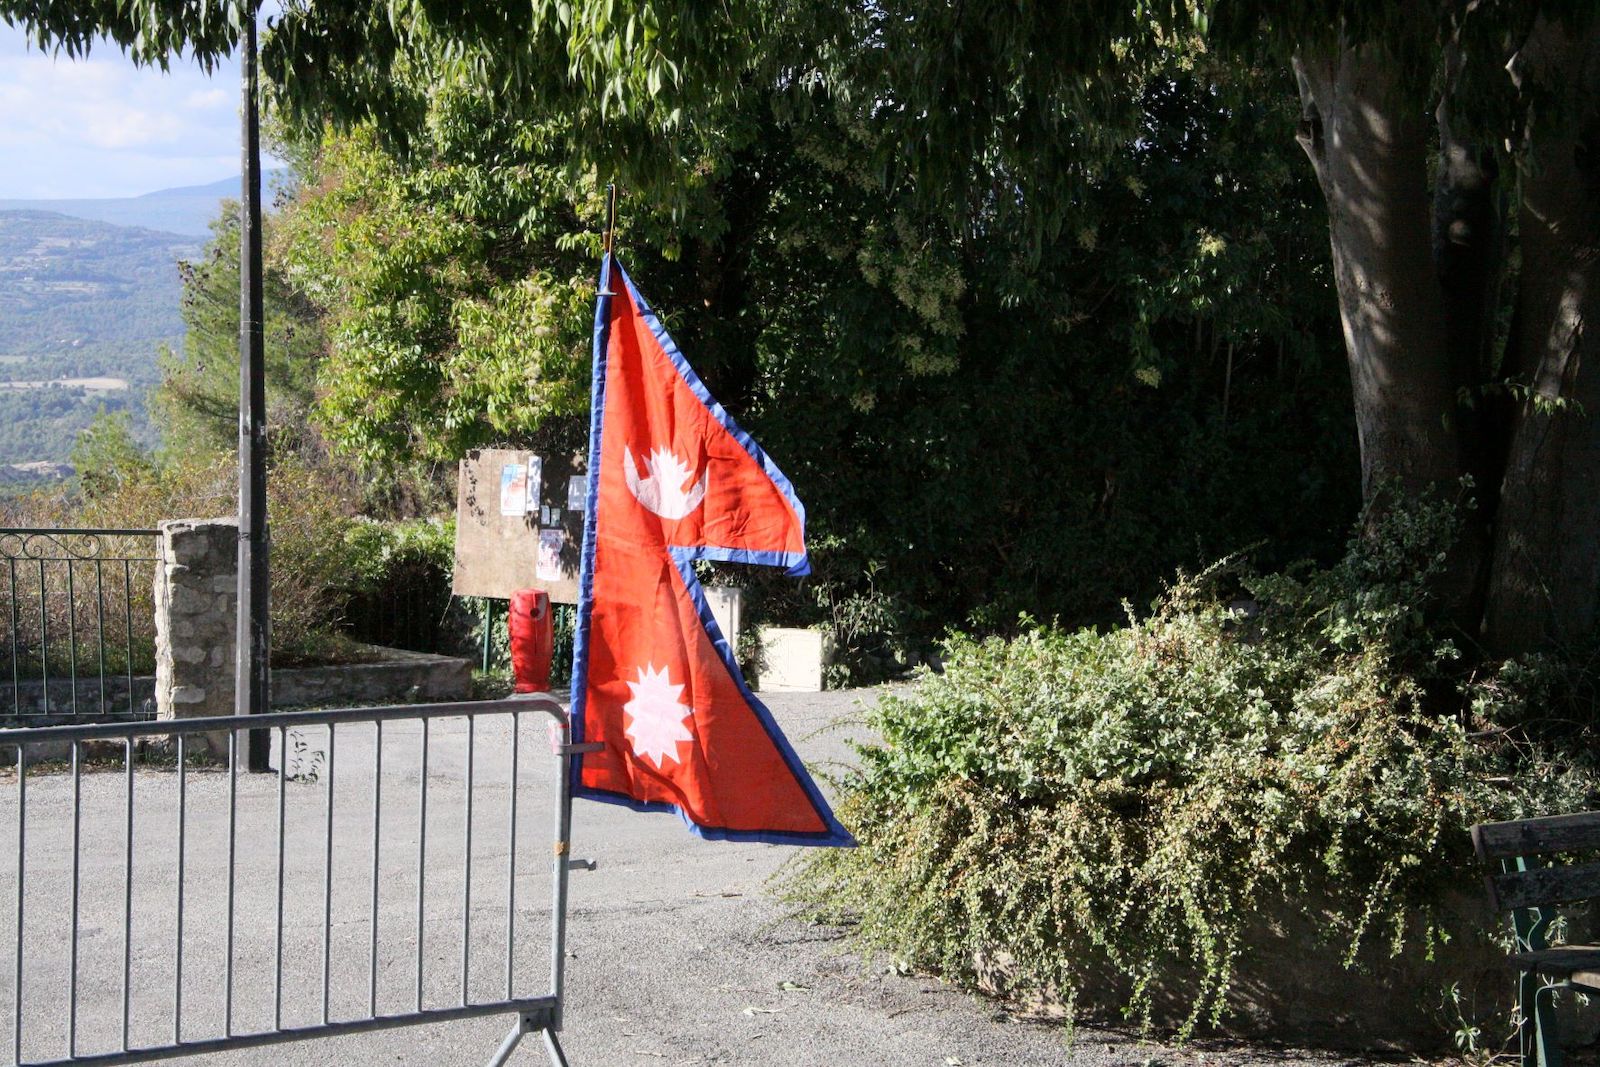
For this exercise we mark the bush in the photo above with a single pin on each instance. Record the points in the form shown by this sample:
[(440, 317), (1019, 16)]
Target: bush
[(1137, 800), (398, 593), (310, 511)]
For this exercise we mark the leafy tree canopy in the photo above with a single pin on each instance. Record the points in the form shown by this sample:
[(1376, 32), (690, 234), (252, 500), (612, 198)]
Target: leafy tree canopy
[(197, 402), (965, 120), (987, 106), (979, 430)]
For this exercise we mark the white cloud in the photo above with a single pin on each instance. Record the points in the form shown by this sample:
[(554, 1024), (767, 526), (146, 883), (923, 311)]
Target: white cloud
[(100, 126), (126, 127), (209, 99)]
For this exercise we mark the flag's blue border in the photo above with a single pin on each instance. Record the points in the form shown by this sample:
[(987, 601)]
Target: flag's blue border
[(795, 563)]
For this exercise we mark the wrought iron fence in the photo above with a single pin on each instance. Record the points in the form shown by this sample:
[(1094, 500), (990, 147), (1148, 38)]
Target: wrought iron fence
[(77, 624), (165, 906)]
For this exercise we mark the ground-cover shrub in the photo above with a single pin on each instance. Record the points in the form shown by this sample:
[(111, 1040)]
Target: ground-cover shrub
[(1060, 807)]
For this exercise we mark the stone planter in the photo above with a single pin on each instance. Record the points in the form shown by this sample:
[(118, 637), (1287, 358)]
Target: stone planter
[(399, 677), (792, 660)]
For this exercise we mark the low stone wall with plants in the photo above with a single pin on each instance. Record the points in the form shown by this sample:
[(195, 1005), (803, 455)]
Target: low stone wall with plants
[(391, 676), (1248, 811)]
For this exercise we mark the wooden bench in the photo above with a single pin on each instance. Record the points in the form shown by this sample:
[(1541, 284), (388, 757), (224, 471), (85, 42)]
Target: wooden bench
[(1532, 879)]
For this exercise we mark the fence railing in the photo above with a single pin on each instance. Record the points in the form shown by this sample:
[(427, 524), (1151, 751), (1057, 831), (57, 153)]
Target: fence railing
[(77, 625), (165, 905)]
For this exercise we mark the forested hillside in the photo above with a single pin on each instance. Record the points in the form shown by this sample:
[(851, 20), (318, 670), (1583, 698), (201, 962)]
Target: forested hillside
[(84, 309)]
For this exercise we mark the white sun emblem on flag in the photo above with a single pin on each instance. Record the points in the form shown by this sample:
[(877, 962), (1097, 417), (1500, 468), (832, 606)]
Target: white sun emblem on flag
[(663, 489), (656, 717)]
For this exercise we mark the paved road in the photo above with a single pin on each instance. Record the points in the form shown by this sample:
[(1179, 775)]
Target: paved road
[(678, 955)]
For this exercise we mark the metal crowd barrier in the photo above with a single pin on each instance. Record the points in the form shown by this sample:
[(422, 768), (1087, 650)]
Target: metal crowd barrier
[(77, 616), (114, 805)]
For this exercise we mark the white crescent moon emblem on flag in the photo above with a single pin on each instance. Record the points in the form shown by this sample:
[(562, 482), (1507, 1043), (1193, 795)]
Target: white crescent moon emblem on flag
[(662, 491)]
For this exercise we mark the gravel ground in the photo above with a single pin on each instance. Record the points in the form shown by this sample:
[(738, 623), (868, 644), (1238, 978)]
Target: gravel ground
[(678, 954)]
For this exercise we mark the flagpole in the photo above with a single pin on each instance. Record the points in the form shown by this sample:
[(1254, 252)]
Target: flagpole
[(611, 218), (253, 623), (568, 750)]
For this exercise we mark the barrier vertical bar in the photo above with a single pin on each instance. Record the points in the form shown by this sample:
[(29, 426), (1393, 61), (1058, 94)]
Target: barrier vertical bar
[(72, 966), (127, 893), (233, 798), (377, 830), (22, 857), (511, 862), (327, 884), (466, 870), (277, 951), (422, 854), (177, 950)]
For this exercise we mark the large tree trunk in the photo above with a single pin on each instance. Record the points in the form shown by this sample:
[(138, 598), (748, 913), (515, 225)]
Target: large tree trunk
[(1469, 238), (1544, 587), (1368, 140), (1469, 259)]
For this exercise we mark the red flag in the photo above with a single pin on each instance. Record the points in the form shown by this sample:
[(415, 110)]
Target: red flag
[(672, 480)]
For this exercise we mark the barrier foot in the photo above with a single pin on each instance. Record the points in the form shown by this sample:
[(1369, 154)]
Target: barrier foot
[(527, 1024), (508, 1046)]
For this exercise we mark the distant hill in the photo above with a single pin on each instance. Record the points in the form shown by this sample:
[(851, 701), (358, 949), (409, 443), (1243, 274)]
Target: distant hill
[(187, 209), (68, 282), (84, 309)]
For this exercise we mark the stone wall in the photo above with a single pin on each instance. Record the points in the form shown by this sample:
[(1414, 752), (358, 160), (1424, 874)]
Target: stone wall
[(96, 696), (397, 677), (196, 606)]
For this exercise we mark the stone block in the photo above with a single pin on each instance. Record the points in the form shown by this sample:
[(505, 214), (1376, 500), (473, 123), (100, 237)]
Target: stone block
[(184, 599), (187, 550), (792, 660), (195, 599), (727, 607)]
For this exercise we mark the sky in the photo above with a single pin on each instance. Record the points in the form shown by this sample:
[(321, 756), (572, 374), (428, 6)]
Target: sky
[(102, 127)]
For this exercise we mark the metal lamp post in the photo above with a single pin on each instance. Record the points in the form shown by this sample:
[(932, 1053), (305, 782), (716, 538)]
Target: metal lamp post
[(253, 632)]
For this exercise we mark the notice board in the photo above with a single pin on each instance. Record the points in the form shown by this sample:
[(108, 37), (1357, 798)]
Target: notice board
[(519, 523)]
